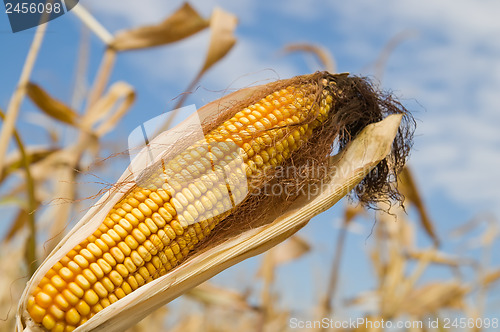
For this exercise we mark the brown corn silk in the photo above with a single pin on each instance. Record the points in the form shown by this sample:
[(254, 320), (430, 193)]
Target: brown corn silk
[(202, 192)]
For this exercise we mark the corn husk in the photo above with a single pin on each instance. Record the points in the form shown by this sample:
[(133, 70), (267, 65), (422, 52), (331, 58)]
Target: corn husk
[(348, 169)]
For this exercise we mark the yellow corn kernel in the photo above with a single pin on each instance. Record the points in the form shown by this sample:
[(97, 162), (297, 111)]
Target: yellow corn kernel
[(58, 282), (83, 308), (37, 312), (57, 313), (48, 322), (75, 289), (72, 316), (105, 303), (71, 298), (43, 300), (59, 327), (91, 297), (152, 230)]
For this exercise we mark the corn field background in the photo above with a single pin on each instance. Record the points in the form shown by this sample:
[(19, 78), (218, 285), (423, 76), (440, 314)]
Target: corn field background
[(73, 89)]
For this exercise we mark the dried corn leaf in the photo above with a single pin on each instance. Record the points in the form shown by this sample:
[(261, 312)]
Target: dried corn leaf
[(377, 263), (222, 39), (325, 58), (156, 320), (293, 248), (126, 94), (279, 322), (111, 107), (90, 21), (65, 191), (266, 273), (438, 258), (433, 297), (102, 78), (363, 299), (15, 162), (398, 228), (408, 188), (380, 64), (182, 24), (190, 323), (16, 225), (490, 234), (209, 294), (10, 270), (466, 228), (352, 211), (491, 277), (222, 26), (50, 106), (407, 234)]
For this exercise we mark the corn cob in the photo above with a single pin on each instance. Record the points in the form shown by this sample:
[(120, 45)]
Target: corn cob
[(155, 227)]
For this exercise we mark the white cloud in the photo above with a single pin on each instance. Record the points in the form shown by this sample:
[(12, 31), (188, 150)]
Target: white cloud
[(460, 154), (117, 15), (460, 141), (452, 70)]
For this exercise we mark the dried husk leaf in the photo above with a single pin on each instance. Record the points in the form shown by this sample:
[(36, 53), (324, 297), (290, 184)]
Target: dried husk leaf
[(50, 106), (222, 39), (354, 163), (110, 107), (182, 24)]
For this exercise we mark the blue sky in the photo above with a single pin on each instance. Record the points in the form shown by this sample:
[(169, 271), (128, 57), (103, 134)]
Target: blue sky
[(447, 72)]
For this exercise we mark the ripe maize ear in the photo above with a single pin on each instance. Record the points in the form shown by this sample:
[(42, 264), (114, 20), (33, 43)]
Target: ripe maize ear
[(144, 235), (163, 220)]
